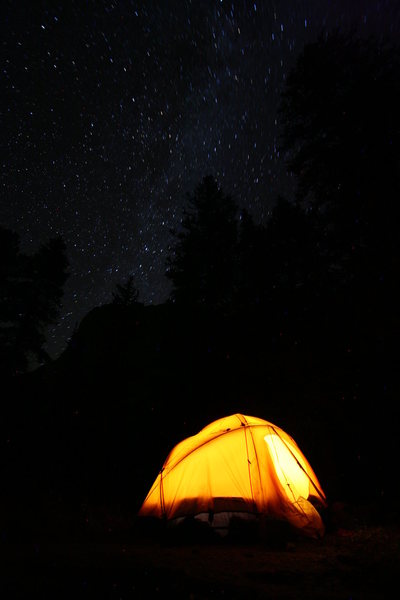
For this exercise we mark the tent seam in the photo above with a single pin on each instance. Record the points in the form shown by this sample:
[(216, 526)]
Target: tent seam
[(208, 441)]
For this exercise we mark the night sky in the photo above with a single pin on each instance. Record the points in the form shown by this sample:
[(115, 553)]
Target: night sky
[(113, 111)]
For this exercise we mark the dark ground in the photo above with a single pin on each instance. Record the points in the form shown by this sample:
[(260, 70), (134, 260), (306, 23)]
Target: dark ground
[(76, 440), (359, 561)]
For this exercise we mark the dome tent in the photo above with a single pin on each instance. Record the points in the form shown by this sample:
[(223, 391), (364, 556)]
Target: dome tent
[(238, 464)]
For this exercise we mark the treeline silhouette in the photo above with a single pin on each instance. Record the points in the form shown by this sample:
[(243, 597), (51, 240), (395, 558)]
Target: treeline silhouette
[(295, 321), (31, 288)]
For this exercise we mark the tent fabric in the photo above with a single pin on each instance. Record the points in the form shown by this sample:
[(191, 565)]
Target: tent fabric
[(238, 464)]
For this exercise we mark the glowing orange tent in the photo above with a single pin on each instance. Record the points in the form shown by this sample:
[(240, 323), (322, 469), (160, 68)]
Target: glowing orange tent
[(238, 464)]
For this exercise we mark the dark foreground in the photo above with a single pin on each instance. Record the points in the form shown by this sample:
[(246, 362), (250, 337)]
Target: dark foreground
[(359, 563)]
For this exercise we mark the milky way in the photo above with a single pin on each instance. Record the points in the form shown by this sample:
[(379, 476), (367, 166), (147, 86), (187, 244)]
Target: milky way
[(113, 111)]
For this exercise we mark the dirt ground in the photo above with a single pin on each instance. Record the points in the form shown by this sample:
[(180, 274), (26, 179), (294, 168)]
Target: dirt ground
[(361, 563)]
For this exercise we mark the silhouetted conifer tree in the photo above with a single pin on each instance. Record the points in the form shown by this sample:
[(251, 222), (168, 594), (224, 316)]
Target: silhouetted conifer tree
[(31, 289), (341, 132), (202, 264), (126, 293), (252, 278), (291, 258)]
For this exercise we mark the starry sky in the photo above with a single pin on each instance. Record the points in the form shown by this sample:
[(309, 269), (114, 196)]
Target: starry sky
[(112, 112)]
